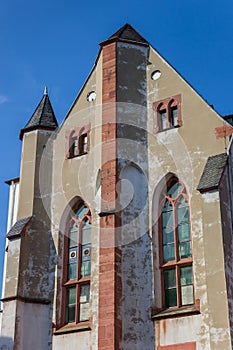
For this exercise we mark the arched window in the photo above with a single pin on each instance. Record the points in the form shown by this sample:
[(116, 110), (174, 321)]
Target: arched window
[(77, 266), (162, 114), (78, 141), (175, 243), (167, 113)]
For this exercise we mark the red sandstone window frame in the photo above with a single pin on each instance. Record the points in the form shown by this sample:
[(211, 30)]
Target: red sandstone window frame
[(177, 263), (79, 281), (167, 107), (78, 141)]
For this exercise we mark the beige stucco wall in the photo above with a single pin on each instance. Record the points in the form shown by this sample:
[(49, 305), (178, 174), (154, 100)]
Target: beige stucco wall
[(184, 151), (77, 177)]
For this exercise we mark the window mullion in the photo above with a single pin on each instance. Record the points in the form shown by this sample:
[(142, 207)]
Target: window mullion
[(178, 288), (176, 232), (77, 311)]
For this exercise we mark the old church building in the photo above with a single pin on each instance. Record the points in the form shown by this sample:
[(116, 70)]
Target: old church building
[(120, 224)]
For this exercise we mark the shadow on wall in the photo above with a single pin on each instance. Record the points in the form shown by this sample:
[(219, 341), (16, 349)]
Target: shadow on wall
[(6, 343)]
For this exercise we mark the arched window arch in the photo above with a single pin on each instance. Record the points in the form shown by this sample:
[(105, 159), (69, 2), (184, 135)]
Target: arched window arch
[(175, 246), (173, 113), (77, 265), (162, 116)]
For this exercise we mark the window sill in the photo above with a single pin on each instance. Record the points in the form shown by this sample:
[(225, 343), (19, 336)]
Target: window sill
[(79, 327), (170, 128), (188, 310), (77, 155)]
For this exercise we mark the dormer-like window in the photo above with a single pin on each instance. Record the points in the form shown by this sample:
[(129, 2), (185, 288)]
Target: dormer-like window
[(168, 113), (78, 141)]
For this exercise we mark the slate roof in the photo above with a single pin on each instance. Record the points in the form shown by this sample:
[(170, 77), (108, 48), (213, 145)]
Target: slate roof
[(18, 227), (42, 118), (128, 33), (212, 172)]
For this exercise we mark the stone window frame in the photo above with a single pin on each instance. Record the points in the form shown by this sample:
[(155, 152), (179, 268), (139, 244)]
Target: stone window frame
[(79, 281), (75, 141), (167, 106)]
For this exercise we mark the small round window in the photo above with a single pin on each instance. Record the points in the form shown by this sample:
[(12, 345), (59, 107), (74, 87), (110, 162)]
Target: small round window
[(155, 75), (91, 96)]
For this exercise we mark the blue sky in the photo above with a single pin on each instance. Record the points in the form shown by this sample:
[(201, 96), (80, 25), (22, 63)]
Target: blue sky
[(55, 43)]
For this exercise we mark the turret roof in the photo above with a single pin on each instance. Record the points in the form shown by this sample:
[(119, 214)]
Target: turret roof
[(42, 118)]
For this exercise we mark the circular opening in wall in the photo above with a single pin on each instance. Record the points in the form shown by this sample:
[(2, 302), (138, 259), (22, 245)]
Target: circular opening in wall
[(91, 96), (155, 75)]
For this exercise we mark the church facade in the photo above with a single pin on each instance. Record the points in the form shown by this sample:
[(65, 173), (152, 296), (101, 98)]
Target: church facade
[(120, 223)]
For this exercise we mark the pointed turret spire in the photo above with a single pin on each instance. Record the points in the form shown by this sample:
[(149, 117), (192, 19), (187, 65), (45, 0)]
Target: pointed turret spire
[(42, 118), (126, 33)]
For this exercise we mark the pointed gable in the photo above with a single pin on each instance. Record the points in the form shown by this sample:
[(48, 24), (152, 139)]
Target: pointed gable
[(42, 118), (126, 33)]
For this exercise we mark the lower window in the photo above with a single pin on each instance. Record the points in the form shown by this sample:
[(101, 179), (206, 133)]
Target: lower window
[(77, 303), (178, 286), (77, 266)]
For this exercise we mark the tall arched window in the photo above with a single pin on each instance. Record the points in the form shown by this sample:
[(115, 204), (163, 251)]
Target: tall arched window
[(175, 243), (77, 266)]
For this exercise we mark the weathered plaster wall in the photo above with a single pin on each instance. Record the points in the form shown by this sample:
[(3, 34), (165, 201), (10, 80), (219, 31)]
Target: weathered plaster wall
[(183, 151), (73, 341), (11, 281), (8, 325), (33, 324), (136, 264), (27, 174), (72, 179)]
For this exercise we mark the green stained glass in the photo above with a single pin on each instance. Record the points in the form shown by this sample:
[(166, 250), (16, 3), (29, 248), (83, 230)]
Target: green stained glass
[(170, 297), (84, 302), (70, 305), (174, 189), (86, 261), (174, 116), (186, 275), (170, 278), (73, 236), (185, 250), (81, 212), (168, 233), (183, 229), (72, 271), (168, 253), (170, 287), (186, 282), (163, 116), (86, 233), (167, 206)]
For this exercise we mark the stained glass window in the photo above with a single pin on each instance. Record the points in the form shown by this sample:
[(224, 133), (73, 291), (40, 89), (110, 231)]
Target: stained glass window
[(78, 257), (176, 244)]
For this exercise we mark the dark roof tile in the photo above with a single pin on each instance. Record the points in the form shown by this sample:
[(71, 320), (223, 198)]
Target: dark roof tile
[(42, 118), (18, 227), (128, 33), (212, 172)]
